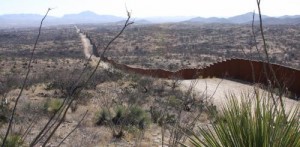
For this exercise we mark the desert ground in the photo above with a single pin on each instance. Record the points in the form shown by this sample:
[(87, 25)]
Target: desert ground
[(63, 52)]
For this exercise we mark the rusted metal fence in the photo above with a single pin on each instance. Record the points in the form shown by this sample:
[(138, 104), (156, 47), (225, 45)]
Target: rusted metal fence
[(239, 69)]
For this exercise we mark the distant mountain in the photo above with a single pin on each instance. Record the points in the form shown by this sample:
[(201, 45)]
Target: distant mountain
[(12, 20), (135, 22), (89, 17), (29, 20), (25, 20), (167, 19), (209, 20), (247, 18), (142, 21), (282, 20), (22, 17), (290, 16)]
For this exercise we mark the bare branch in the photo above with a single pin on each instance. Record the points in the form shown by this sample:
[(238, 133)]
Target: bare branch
[(268, 59), (29, 128), (44, 131), (79, 87), (74, 127), (25, 80)]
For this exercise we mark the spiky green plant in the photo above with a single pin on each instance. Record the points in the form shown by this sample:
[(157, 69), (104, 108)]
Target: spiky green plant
[(135, 115), (123, 119), (118, 119), (252, 123), (103, 117)]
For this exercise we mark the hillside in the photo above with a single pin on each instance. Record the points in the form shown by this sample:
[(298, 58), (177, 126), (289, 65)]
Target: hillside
[(247, 18), (118, 107), (88, 17)]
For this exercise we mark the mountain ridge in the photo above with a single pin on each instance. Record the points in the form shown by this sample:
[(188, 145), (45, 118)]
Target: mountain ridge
[(89, 17), (248, 18)]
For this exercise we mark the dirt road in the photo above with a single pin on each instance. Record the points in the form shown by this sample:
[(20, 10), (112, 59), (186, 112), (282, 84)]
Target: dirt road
[(215, 88), (218, 89), (88, 50)]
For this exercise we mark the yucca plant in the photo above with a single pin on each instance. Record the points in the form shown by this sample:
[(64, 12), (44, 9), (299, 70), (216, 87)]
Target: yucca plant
[(252, 123), (123, 119), (103, 117), (119, 116)]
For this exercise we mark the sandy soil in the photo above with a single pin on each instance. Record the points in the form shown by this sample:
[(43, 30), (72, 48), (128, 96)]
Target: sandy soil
[(87, 50), (215, 88), (218, 89), (87, 134)]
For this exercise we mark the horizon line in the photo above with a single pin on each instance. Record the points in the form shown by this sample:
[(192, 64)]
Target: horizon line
[(144, 16)]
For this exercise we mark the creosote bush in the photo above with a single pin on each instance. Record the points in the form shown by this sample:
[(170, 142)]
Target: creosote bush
[(251, 122)]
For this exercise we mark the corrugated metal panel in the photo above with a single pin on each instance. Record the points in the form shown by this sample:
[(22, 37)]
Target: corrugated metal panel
[(240, 69)]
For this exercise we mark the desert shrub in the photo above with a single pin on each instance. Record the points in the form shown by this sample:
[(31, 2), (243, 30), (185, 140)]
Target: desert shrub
[(167, 119), (133, 116), (31, 108), (162, 118), (119, 115), (102, 118), (66, 84), (9, 82), (250, 123), (105, 75), (174, 102), (136, 117), (13, 141), (123, 119), (3, 119), (173, 67), (155, 114), (4, 111), (63, 82), (52, 105), (145, 84), (178, 110)]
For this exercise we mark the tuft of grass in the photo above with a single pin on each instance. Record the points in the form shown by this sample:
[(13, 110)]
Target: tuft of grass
[(123, 119), (103, 117), (253, 123), (52, 105), (13, 141), (136, 115), (3, 113), (119, 115)]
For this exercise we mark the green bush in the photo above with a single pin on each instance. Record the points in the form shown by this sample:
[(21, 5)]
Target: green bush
[(103, 118), (123, 119), (136, 118), (13, 141), (173, 101), (52, 105), (119, 115), (3, 113), (254, 123), (155, 114)]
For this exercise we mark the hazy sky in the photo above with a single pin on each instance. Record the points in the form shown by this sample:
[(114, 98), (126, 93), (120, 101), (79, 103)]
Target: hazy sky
[(148, 8)]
